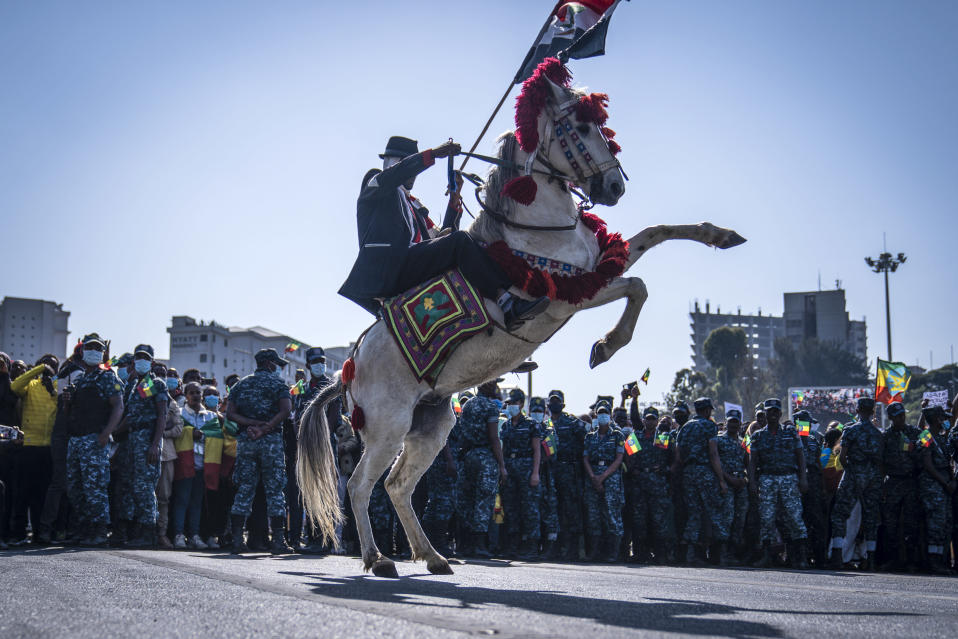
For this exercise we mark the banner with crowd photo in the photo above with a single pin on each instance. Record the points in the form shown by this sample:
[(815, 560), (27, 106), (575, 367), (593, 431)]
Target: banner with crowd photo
[(827, 403)]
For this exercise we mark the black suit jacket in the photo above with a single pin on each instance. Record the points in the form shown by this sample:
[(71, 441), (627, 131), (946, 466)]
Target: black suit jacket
[(384, 233)]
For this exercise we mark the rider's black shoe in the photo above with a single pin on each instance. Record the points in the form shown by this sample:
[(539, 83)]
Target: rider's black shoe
[(522, 310)]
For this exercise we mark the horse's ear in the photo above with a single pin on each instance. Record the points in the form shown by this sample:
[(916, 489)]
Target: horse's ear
[(559, 94)]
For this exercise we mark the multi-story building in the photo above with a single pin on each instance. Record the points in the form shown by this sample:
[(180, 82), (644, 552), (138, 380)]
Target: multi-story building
[(817, 314), (31, 328), (218, 351)]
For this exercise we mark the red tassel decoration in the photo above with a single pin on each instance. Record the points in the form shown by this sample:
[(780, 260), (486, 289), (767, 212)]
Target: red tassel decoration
[(358, 419), (532, 99), (521, 189), (591, 108), (349, 371)]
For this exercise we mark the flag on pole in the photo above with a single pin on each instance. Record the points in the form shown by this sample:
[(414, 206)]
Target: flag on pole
[(747, 444), (926, 439), (577, 31), (291, 347), (804, 427), (456, 406), (297, 389), (891, 382), (645, 375), (632, 445)]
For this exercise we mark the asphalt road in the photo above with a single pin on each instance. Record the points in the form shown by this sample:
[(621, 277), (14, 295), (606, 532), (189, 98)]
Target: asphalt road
[(101, 593)]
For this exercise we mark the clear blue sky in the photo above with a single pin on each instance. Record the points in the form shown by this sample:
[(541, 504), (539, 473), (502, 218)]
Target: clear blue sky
[(204, 158)]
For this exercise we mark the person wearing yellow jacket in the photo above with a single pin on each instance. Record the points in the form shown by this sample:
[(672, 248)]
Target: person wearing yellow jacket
[(33, 467)]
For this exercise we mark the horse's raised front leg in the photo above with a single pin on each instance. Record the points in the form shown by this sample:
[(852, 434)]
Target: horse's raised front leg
[(431, 426), (703, 232), (631, 288)]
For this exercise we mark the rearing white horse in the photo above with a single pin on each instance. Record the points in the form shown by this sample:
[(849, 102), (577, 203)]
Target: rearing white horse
[(559, 132)]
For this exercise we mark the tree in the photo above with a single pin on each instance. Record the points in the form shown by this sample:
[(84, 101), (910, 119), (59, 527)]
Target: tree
[(817, 363), (726, 349), (687, 386)]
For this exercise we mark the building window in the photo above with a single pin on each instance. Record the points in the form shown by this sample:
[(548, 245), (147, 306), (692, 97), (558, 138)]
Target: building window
[(213, 358), (224, 362), (214, 338), (204, 337), (203, 357), (226, 342)]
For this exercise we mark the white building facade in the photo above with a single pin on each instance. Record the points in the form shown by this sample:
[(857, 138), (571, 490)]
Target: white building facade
[(31, 328)]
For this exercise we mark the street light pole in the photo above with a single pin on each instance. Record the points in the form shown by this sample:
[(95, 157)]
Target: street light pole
[(886, 263)]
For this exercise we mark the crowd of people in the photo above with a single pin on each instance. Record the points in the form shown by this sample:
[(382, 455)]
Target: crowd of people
[(124, 452)]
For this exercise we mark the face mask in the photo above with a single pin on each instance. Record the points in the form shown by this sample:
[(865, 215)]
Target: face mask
[(318, 369), (172, 383), (92, 358), (513, 409), (537, 417), (945, 425), (498, 404), (278, 372), (123, 373), (603, 419), (211, 401), (142, 366)]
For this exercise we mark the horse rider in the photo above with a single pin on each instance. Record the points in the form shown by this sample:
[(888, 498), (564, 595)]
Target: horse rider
[(398, 248)]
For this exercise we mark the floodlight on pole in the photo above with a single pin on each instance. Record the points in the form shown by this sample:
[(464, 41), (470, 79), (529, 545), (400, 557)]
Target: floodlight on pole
[(886, 263)]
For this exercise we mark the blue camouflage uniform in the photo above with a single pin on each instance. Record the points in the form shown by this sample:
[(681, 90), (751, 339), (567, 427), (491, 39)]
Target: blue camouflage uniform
[(88, 463), (734, 504), (651, 503), (257, 396), (142, 405), (934, 497), (861, 481), (779, 499), (548, 498), (567, 470), (604, 510), (441, 489), (953, 454), (480, 470), (520, 501), (699, 482)]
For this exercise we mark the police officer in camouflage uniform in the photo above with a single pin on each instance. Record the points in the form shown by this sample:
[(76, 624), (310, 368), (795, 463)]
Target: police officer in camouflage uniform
[(121, 465), (521, 450), (95, 404), (483, 466), (953, 454), (733, 504), (813, 501), (259, 403), (567, 470), (862, 481), (702, 480), (936, 486), (680, 416), (602, 455), (900, 461), (777, 462), (548, 503), (146, 403), (651, 504), (442, 480)]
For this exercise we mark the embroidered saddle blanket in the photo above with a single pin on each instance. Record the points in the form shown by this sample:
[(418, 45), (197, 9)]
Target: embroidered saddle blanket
[(429, 321)]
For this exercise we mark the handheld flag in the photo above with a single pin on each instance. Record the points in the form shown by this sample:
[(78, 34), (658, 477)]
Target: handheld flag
[(662, 441), (825, 456), (926, 439), (577, 30), (292, 347), (497, 513), (297, 389), (645, 375), (906, 444), (804, 427), (632, 445), (456, 406), (747, 444), (891, 382), (549, 444), (145, 388)]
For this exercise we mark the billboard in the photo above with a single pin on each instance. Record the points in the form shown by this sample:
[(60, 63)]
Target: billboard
[(829, 403)]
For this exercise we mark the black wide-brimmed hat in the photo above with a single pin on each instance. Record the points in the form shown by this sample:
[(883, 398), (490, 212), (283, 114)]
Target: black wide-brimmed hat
[(400, 147)]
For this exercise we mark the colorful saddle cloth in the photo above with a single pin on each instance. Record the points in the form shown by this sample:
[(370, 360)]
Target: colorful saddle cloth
[(432, 319)]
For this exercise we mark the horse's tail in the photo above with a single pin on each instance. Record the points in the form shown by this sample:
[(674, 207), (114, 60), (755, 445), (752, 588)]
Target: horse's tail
[(316, 470)]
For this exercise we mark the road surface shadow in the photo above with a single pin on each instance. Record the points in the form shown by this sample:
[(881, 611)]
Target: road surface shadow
[(651, 615)]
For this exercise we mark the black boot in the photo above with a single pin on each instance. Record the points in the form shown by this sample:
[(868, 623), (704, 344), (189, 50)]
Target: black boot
[(480, 549), (528, 550), (800, 561), (868, 565), (693, 557), (120, 534), (593, 548), (939, 564), (550, 550), (436, 533), (143, 536), (279, 545), (97, 537), (765, 561), (572, 551), (661, 554), (725, 556), (520, 310), (237, 523), (835, 560), (613, 551)]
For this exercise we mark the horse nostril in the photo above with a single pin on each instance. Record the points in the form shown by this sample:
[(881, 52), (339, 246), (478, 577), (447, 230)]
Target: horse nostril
[(616, 189)]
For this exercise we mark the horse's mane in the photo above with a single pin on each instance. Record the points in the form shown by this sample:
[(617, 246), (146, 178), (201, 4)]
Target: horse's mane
[(485, 227)]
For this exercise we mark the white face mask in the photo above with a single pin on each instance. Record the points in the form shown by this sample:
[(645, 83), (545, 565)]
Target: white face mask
[(513, 409), (142, 366), (537, 417), (92, 358), (318, 369)]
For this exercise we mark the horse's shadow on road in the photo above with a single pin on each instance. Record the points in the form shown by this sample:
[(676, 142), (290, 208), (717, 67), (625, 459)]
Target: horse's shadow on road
[(649, 614)]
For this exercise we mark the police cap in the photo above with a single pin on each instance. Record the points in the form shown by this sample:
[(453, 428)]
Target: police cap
[(315, 353), (265, 355), (537, 404), (702, 403), (895, 408), (144, 349), (516, 396)]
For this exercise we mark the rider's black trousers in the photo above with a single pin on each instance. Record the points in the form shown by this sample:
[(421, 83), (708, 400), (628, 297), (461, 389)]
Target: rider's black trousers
[(456, 250)]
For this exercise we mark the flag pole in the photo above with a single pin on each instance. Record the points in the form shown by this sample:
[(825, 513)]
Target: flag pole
[(512, 82)]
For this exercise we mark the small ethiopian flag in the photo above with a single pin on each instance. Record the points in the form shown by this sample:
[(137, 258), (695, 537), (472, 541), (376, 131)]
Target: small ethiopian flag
[(297, 389), (632, 445), (747, 444), (926, 439), (145, 389), (292, 346), (645, 375), (549, 443), (662, 441), (804, 428), (907, 445), (456, 406)]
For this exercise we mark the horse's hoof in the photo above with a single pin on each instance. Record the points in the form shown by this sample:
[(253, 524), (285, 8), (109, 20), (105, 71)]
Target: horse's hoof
[(439, 566), (383, 567), (598, 356), (734, 239)]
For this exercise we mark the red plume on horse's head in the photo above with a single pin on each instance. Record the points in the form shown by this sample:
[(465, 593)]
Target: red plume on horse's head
[(532, 99), (591, 108)]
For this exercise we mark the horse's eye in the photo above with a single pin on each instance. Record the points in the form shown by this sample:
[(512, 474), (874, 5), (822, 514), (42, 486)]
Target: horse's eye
[(583, 129)]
